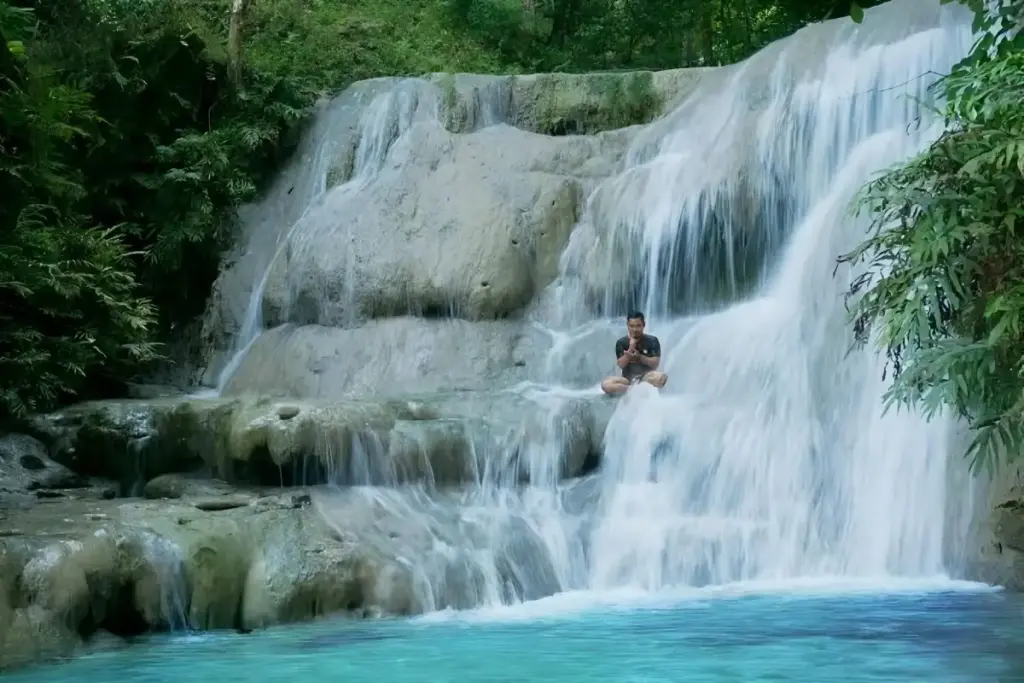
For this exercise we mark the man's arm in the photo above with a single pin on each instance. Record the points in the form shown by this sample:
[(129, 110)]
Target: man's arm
[(654, 360), (622, 358)]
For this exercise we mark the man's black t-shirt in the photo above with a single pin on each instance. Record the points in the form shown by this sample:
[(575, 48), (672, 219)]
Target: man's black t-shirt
[(648, 345)]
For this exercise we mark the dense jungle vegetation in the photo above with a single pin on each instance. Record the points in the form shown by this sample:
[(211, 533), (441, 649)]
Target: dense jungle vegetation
[(130, 130)]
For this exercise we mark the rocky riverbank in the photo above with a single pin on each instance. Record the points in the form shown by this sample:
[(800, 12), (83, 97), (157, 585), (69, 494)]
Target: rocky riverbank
[(133, 516), (130, 516), (217, 557)]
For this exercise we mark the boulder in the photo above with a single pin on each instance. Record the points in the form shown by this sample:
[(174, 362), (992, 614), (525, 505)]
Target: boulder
[(185, 485), (391, 357), (149, 566), (436, 439), (448, 226), (26, 467)]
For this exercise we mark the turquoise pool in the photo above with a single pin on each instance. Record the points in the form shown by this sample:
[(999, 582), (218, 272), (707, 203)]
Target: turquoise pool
[(935, 637)]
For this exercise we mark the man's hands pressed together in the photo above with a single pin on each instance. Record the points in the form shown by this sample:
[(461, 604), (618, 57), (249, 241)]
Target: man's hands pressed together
[(634, 356)]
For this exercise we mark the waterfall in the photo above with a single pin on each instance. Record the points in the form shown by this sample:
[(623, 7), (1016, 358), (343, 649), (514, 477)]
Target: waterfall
[(768, 457), (382, 120)]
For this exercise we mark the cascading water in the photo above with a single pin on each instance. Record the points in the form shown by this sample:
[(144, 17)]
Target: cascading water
[(386, 117), (768, 456)]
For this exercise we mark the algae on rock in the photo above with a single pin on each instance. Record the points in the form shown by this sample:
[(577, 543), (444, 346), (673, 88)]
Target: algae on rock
[(129, 568), (430, 440), (584, 104)]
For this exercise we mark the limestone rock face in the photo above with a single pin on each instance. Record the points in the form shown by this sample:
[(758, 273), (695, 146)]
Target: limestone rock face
[(27, 471), (132, 567), (330, 147), (996, 555), (465, 225), (396, 356), (433, 440), (432, 155)]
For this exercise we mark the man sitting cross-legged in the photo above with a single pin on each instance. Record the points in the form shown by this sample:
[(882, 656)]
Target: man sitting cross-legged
[(638, 356)]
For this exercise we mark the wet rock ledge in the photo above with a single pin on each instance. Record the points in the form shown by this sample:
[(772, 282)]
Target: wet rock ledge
[(134, 516)]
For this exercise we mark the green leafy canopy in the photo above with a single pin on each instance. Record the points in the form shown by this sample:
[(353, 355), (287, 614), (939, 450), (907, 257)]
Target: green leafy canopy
[(124, 153), (941, 283)]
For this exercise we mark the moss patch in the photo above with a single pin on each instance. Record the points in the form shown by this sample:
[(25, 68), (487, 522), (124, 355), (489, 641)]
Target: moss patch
[(582, 104)]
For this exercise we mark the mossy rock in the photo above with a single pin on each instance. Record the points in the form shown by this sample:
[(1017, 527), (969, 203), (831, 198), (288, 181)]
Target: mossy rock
[(562, 103), (259, 441), (583, 104), (135, 440)]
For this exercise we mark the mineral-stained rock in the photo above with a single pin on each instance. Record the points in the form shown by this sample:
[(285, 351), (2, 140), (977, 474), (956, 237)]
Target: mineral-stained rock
[(447, 226), (394, 356), (562, 103), (25, 466), (436, 439), (580, 104), (139, 566), (184, 485)]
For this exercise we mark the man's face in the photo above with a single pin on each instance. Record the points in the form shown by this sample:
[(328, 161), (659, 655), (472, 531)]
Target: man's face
[(635, 327)]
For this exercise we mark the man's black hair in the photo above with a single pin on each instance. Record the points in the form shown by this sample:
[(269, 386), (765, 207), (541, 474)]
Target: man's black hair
[(636, 314)]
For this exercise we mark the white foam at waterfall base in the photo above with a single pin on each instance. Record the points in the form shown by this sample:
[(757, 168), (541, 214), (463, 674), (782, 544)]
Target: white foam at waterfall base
[(573, 604)]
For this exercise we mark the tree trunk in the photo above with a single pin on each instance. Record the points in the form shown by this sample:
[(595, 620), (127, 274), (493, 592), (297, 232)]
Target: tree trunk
[(707, 43), (563, 23), (723, 22), (236, 30), (748, 31)]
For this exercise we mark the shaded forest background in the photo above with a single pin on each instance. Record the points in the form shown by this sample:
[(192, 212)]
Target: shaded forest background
[(130, 131)]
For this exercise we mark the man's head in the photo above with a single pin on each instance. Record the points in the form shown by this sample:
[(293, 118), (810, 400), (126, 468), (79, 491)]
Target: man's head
[(635, 324)]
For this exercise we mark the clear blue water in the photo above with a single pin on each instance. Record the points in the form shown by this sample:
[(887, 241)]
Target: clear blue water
[(928, 638)]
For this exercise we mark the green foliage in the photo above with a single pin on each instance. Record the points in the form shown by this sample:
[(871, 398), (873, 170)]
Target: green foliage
[(124, 155), (598, 35), (856, 12), (327, 44), (69, 304), (943, 286), (176, 148)]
